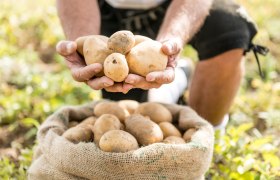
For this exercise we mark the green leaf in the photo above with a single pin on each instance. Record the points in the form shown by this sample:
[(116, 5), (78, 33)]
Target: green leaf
[(29, 122)]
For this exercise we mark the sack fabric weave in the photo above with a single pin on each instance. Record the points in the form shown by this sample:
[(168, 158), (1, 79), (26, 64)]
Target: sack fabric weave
[(58, 159)]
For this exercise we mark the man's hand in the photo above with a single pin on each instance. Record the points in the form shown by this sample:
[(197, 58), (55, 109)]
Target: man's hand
[(83, 73), (171, 48)]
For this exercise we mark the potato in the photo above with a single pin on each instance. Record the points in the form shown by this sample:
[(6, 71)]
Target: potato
[(90, 121), (78, 134), (121, 42), (115, 67), (122, 127), (72, 124), (80, 41), (144, 130), (146, 57), (157, 112), (169, 129), (140, 38), (174, 140), (95, 51), (110, 108), (188, 118), (129, 105), (188, 134), (105, 123), (118, 141)]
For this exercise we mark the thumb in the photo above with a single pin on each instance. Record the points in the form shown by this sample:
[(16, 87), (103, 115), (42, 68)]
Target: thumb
[(66, 48), (171, 47)]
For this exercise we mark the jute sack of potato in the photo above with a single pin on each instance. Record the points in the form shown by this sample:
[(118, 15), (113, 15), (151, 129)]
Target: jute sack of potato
[(57, 158)]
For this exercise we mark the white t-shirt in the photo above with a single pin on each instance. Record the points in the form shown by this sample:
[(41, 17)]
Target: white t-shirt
[(134, 4)]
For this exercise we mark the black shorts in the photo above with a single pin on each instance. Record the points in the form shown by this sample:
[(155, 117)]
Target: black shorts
[(227, 27)]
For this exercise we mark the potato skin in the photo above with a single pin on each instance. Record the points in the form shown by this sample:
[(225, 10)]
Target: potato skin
[(110, 108), (115, 67), (80, 41), (72, 124), (188, 134), (144, 130), (140, 38), (129, 105), (174, 140), (188, 119), (105, 123), (169, 129), (118, 141), (78, 134), (121, 42), (90, 121), (146, 57), (157, 112), (95, 51)]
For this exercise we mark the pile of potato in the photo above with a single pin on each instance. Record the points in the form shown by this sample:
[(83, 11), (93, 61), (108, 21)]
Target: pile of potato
[(121, 53), (127, 125)]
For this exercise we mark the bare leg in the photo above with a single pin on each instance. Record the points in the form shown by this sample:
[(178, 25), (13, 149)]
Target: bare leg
[(215, 84)]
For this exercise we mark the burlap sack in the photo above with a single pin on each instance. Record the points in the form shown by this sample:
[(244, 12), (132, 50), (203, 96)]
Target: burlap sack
[(56, 158)]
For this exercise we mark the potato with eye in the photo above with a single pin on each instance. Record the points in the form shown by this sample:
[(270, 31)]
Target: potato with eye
[(81, 40), (115, 67), (118, 141), (121, 42), (146, 57), (95, 51)]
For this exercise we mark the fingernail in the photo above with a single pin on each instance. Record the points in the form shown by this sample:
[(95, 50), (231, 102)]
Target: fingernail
[(151, 78), (108, 84), (169, 47), (69, 47), (130, 81), (97, 69)]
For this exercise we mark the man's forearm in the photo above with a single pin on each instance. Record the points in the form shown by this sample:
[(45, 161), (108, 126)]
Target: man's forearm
[(79, 18), (183, 19)]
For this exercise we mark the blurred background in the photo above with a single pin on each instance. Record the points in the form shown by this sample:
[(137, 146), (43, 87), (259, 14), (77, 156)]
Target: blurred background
[(34, 82)]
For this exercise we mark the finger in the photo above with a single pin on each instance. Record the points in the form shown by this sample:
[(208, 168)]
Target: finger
[(162, 77), (171, 47), (117, 87), (127, 87), (84, 73), (172, 61), (140, 82), (66, 48), (100, 83)]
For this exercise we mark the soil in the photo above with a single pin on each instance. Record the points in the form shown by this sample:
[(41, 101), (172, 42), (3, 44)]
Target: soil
[(12, 141)]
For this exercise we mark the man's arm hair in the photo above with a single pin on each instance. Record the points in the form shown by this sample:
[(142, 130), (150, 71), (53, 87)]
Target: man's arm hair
[(79, 18), (183, 19)]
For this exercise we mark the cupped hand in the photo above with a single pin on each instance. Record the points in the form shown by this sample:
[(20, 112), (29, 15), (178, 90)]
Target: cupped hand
[(85, 73), (171, 48)]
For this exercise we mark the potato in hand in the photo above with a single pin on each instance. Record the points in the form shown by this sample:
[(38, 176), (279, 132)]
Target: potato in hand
[(115, 67)]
